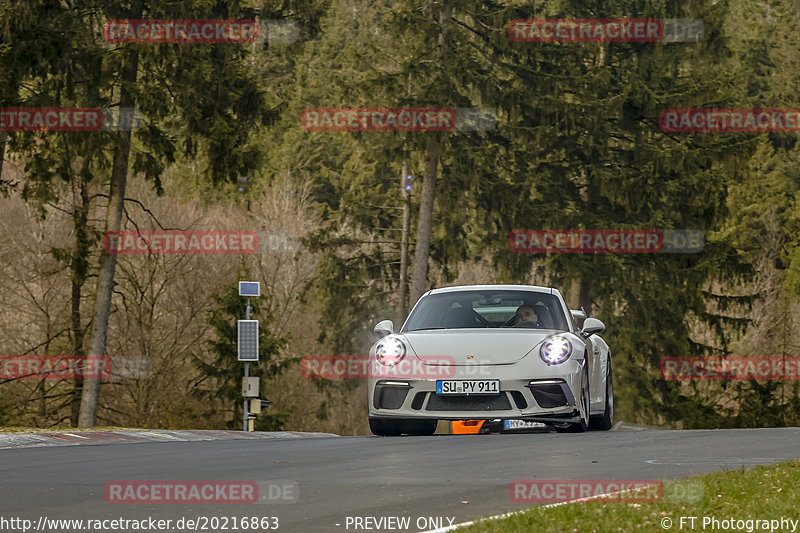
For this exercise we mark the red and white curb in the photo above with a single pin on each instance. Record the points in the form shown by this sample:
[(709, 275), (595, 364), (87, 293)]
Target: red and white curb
[(77, 438)]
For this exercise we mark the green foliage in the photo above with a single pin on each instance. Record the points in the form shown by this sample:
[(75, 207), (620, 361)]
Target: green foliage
[(577, 145)]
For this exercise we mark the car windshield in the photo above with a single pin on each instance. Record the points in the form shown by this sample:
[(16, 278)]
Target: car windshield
[(487, 309)]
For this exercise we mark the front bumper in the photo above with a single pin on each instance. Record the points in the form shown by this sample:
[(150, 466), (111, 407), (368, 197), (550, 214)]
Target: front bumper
[(538, 393)]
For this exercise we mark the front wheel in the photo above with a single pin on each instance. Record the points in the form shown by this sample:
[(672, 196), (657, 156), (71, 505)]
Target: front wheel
[(606, 420), (583, 408)]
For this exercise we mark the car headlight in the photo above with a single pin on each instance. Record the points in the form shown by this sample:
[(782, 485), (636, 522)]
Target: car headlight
[(555, 350), (390, 351)]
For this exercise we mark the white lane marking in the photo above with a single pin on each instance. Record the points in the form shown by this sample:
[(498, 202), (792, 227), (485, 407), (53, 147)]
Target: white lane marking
[(715, 461), (74, 435), (506, 515)]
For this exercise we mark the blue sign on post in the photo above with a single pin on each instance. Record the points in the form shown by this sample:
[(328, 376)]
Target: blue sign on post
[(249, 288)]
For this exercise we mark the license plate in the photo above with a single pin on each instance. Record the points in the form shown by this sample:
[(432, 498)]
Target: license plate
[(468, 387), (522, 424)]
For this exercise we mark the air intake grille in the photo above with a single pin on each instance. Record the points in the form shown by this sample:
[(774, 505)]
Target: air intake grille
[(468, 403), (519, 399), (548, 395), (390, 397), (419, 399)]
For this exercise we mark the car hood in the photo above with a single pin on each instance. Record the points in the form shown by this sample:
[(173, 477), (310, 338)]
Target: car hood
[(487, 347)]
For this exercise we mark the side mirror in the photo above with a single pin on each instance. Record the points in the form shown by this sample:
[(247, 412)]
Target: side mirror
[(384, 328), (578, 314), (592, 326)]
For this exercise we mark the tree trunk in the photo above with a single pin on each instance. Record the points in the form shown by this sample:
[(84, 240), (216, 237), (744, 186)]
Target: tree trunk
[(419, 278), (116, 201), (579, 297), (403, 288), (79, 268)]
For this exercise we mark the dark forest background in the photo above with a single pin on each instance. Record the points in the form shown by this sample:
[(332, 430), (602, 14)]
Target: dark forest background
[(577, 144)]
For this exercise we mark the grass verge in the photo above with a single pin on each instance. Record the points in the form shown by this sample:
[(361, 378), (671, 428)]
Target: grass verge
[(762, 493)]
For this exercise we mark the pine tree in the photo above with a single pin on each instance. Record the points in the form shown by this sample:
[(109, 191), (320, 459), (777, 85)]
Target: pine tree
[(219, 383)]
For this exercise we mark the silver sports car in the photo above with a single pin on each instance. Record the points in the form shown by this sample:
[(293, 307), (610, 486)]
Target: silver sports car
[(510, 352)]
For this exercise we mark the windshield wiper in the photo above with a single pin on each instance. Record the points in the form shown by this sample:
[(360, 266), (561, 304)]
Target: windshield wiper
[(423, 329)]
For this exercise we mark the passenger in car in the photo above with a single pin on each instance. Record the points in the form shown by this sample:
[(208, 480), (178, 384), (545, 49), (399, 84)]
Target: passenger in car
[(526, 317)]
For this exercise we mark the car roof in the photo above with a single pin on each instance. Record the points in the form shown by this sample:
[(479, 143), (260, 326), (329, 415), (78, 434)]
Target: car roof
[(530, 288)]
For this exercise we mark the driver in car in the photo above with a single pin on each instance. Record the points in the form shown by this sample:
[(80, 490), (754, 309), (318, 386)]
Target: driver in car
[(526, 317)]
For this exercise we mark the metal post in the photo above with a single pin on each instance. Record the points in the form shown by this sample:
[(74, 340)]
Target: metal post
[(246, 374)]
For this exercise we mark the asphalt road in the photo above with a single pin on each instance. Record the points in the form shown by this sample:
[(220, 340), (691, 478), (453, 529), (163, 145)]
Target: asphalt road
[(452, 477)]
